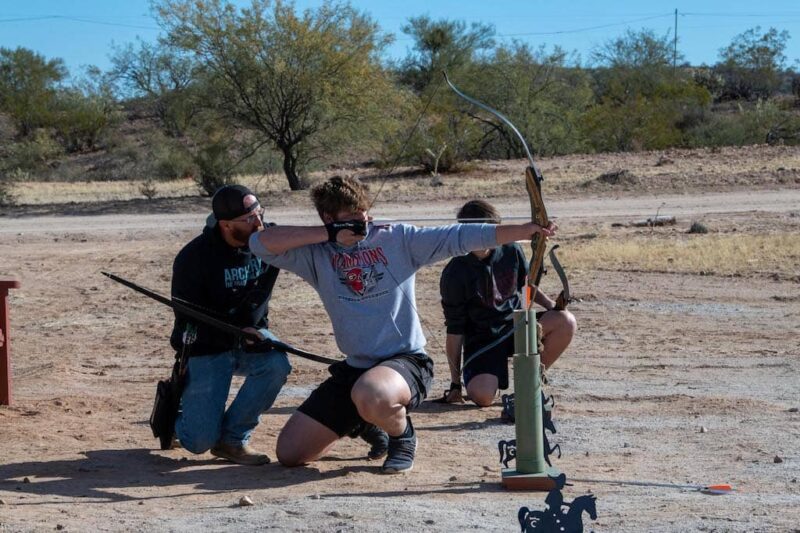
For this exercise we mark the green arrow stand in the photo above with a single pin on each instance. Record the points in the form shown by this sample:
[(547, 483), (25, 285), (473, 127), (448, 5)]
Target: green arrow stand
[(532, 471)]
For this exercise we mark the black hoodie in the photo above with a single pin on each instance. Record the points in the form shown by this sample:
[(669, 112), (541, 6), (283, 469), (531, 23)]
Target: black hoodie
[(228, 283), (479, 296)]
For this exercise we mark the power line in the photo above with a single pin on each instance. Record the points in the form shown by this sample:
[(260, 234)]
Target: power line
[(589, 28), (733, 15), (575, 30), (82, 20)]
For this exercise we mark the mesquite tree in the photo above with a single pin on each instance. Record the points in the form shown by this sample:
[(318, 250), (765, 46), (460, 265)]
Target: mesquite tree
[(290, 77)]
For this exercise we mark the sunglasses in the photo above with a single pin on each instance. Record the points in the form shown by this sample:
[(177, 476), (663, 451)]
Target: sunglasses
[(252, 217)]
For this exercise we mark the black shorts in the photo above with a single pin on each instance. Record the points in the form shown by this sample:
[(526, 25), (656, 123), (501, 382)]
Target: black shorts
[(493, 361), (331, 405)]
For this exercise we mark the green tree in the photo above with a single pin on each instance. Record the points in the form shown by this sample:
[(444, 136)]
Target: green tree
[(538, 91), (167, 78), (84, 111), (641, 102), (635, 49), (752, 65), (633, 64), (29, 87), (290, 77), (441, 45)]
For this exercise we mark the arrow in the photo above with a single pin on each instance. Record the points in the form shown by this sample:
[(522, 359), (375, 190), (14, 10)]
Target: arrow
[(722, 488)]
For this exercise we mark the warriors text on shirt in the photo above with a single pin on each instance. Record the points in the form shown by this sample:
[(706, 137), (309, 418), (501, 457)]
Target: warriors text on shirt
[(357, 270)]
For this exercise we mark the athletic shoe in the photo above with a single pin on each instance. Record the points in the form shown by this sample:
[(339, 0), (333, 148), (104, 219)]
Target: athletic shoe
[(507, 414), (377, 438), (401, 452)]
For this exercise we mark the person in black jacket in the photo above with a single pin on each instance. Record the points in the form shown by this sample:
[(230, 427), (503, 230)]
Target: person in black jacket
[(480, 292), (217, 274)]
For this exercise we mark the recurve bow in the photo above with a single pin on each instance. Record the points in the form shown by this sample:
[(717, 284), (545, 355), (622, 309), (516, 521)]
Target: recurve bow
[(533, 184)]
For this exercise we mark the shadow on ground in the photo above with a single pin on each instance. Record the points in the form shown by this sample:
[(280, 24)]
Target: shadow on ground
[(114, 475)]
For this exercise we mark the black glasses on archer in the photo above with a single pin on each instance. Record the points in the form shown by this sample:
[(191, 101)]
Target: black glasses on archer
[(252, 217)]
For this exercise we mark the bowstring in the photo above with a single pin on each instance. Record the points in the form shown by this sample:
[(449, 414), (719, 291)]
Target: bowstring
[(392, 167)]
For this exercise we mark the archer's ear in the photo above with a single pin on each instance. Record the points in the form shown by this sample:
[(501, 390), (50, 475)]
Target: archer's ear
[(326, 218)]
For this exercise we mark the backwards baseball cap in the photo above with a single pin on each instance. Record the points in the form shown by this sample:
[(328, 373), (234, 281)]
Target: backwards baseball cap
[(228, 202)]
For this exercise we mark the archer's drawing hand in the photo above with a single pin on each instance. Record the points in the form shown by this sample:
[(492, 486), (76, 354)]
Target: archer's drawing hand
[(347, 232)]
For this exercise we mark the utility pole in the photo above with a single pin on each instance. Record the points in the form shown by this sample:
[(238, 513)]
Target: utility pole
[(675, 45)]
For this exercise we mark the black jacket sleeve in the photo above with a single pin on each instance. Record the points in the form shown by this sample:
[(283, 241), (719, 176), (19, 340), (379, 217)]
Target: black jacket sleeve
[(454, 298), (183, 280)]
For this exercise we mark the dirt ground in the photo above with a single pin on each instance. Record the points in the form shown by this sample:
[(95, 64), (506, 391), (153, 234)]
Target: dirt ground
[(672, 380)]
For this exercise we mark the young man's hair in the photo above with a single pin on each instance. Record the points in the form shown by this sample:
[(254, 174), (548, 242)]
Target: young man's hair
[(340, 194), (478, 211)]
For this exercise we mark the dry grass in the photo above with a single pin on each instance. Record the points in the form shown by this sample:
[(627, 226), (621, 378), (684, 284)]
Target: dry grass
[(50, 192), (671, 170), (709, 254)]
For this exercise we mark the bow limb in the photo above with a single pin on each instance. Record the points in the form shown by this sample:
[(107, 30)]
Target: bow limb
[(564, 298), (191, 311), (533, 184)]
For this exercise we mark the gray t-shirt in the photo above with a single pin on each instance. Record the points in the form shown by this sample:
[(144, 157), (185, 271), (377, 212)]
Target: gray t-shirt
[(368, 289)]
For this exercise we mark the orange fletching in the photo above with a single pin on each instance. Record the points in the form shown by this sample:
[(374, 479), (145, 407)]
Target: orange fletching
[(722, 488)]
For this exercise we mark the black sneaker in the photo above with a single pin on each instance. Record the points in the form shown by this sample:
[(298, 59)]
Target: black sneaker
[(377, 438), (507, 414), (400, 457)]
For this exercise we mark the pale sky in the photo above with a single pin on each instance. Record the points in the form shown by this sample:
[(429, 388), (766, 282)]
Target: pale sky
[(81, 31)]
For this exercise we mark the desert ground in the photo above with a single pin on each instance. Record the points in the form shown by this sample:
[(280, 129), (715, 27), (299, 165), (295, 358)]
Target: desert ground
[(685, 370)]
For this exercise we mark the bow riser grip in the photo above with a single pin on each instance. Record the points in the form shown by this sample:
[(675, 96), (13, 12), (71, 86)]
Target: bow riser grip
[(538, 216)]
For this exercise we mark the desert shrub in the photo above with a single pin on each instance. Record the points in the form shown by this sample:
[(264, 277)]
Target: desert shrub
[(33, 153), (7, 179), (646, 121), (460, 134), (8, 131), (214, 166), (640, 124), (148, 189), (697, 227), (80, 120), (795, 87), (751, 65), (171, 160), (618, 177), (28, 87), (265, 160), (763, 122), (722, 130)]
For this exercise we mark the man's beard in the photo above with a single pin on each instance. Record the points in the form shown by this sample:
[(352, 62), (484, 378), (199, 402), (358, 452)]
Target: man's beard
[(243, 235)]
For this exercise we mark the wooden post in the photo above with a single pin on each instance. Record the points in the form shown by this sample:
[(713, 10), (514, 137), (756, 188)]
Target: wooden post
[(5, 349)]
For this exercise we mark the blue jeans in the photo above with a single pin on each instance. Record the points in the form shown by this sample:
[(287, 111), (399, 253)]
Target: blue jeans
[(204, 421)]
